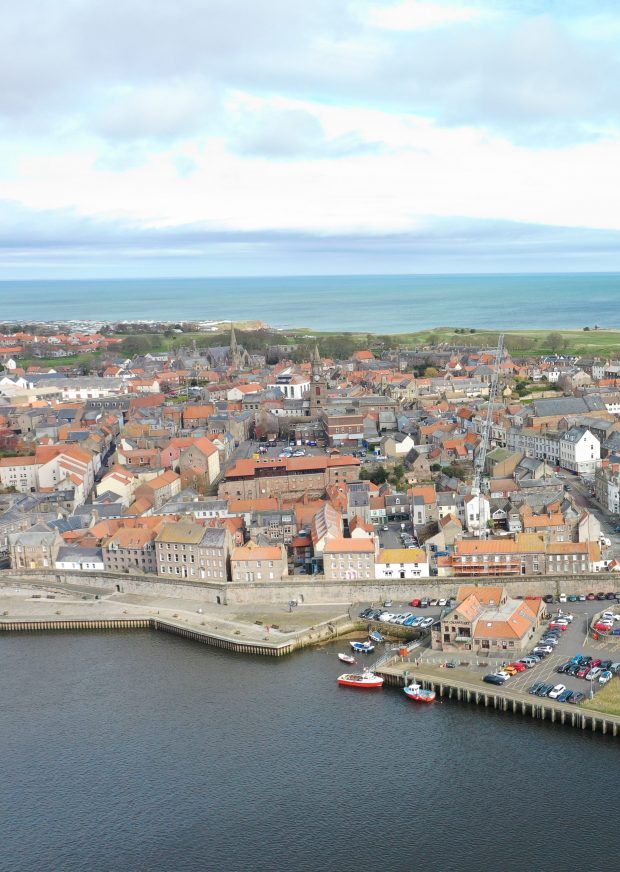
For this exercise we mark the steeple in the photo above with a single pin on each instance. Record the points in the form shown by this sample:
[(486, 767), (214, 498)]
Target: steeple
[(233, 339)]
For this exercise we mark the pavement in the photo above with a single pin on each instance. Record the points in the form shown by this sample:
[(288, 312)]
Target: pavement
[(275, 622)]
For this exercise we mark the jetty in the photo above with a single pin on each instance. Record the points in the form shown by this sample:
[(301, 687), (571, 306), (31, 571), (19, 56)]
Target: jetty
[(503, 699)]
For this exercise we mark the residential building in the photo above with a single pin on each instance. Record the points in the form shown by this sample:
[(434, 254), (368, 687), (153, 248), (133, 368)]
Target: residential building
[(402, 563), (349, 559), (259, 563)]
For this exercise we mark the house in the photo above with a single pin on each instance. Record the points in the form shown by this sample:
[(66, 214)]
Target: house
[(160, 489), (256, 563), (36, 548), (580, 451), (131, 549), (79, 559), (396, 445), (186, 549), (349, 559), (487, 620), (326, 525), (402, 563)]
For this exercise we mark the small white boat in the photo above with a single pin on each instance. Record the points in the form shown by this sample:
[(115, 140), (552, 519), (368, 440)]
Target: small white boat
[(365, 680), (346, 658), (363, 647)]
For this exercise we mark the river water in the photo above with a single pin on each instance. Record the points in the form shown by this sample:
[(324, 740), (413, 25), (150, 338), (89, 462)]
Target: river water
[(144, 752)]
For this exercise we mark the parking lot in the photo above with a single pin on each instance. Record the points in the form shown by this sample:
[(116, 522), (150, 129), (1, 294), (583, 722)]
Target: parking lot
[(577, 639)]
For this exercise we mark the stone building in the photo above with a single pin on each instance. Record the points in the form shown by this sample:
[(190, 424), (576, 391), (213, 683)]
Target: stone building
[(189, 550), (36, 548)]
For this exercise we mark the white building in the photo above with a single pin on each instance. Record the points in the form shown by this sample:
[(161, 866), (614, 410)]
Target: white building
[(476, 513), (580, 451), (292, 385), (401, 563)]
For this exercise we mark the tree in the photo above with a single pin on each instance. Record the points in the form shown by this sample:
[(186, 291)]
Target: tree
[(555, 341), (431, 372), (139, 344)]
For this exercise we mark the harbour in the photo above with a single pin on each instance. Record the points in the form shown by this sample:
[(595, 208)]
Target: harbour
[(181, 756)]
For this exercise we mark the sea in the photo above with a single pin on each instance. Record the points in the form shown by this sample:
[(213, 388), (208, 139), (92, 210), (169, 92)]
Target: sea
[(137, 752), (377, 304)]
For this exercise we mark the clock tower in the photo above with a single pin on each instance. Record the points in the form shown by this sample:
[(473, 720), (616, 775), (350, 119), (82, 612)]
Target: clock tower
[(317, 385)]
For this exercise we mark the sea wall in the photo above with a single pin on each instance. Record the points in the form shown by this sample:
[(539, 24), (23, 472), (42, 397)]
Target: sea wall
[(314, 591)]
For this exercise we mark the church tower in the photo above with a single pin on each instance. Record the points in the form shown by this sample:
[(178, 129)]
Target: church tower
[(318, 385), (234, 348)]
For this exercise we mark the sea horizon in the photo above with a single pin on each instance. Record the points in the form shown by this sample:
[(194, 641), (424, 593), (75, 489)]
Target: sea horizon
[(375, 303)]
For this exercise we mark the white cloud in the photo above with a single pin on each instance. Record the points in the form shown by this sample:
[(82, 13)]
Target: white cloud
[(422, 15)]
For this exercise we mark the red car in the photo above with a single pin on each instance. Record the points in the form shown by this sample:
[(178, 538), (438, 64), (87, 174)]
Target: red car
[(554, 626), (603, 628), (583, 671), (416, 603), (520, 667), (595, 663)]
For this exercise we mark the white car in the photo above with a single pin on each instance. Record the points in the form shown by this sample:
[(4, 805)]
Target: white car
[(594, 673), (442, 602), (385, 616), (426, 622), (557, 690), (501, 674), (604, 677), (546, 648), (562, 617)]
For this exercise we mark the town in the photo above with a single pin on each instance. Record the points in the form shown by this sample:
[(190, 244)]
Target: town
[(219, 463)]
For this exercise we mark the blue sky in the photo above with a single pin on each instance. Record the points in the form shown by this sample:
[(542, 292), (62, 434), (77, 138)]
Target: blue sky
[(229, 137)]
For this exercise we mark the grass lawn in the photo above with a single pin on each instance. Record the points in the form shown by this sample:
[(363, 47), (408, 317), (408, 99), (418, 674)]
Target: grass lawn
[(606, 700)]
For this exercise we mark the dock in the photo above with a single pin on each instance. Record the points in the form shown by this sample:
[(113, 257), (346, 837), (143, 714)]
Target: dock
[(504, 700), (253, 647)]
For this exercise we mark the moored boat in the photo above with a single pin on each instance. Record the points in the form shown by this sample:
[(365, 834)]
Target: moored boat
[(418, 694), (362, 647), (376, 636), (365, 679), (346, 658)]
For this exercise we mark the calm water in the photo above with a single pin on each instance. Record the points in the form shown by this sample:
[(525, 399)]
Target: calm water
[(374, 303), (142, 752)]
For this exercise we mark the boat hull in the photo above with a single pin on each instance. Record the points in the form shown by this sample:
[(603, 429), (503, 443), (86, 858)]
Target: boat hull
[(362, 682), (362, 647), (426, 696)]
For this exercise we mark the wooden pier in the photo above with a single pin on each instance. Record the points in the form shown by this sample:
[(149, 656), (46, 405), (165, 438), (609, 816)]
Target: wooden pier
[(541, 708)]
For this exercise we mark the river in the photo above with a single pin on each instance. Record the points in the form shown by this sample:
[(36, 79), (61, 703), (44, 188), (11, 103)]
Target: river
[(144, 752)]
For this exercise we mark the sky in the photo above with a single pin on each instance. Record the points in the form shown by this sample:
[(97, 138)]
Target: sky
[(281, 137)]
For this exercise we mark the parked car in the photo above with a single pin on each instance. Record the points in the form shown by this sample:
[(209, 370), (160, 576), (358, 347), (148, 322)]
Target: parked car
[(545, 690), (564, 667), (557, 690), (583, 671), (593, 673), (433, 603), (424, 603), (535, 688), (425, 623), (605, 676), (565, 696), (548, 598), (577, 697), (416, 603), (442, 602), (590, 597), (494, 679), (518, 666)]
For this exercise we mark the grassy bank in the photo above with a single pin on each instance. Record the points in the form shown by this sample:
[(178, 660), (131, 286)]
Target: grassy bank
[(606, 700)]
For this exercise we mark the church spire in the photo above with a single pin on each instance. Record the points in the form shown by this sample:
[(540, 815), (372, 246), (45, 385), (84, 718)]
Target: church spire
[(233, 339)]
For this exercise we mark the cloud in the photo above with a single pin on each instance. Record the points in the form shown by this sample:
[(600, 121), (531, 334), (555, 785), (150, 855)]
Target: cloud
[(279, 132), (162, 111), (63, 241), (421, 15)]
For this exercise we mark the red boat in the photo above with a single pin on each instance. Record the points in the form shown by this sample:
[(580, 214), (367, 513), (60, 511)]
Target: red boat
[(366, 679), (417, 693)]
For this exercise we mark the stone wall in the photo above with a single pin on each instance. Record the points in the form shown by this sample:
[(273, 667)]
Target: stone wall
[(316, 592)]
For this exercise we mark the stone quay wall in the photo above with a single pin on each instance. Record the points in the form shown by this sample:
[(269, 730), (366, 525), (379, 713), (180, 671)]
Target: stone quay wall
[(305, 590)]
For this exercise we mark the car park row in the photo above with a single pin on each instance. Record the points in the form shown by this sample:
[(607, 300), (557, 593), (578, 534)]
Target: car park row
[(580, 666)]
